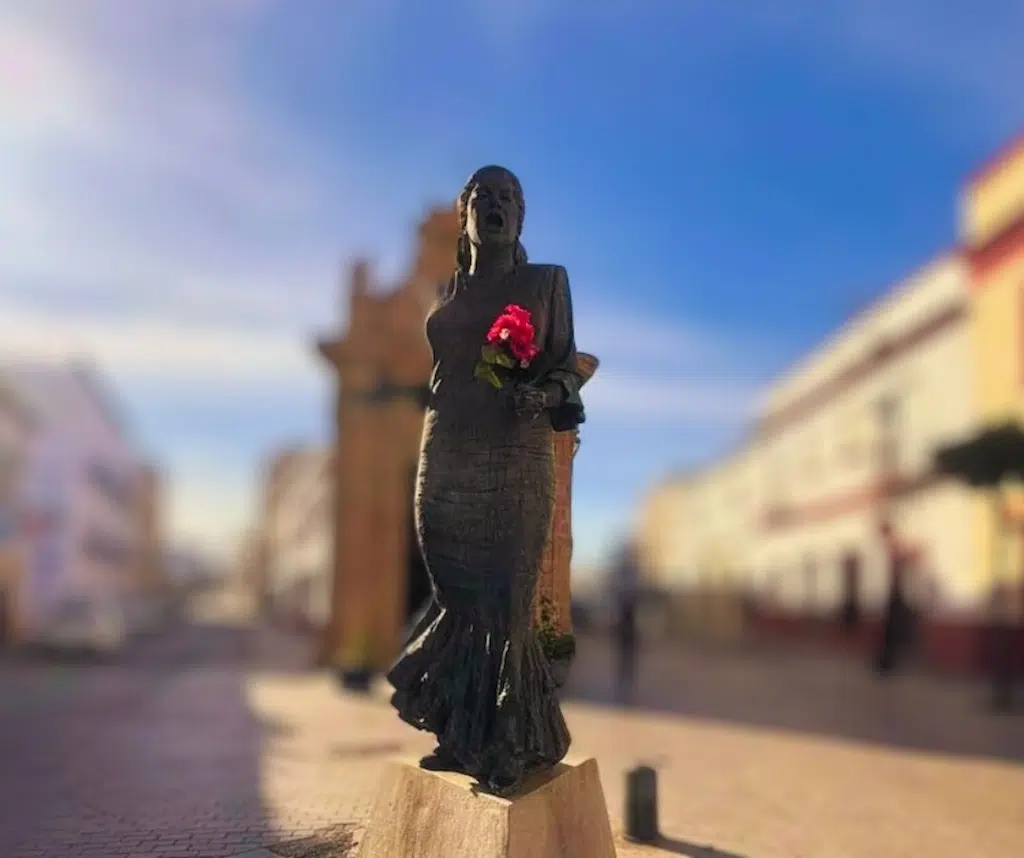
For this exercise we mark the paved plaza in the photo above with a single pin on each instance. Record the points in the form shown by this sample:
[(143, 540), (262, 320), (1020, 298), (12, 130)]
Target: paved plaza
[(214, 741)]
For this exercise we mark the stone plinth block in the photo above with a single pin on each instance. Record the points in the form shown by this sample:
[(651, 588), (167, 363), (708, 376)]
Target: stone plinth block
[(422, 814)]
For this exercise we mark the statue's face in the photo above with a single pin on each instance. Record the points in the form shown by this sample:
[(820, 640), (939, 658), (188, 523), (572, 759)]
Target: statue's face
[(493, 212)]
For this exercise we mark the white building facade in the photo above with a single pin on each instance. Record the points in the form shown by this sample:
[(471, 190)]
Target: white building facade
[(298, 529), (82, 477), (847, 436)]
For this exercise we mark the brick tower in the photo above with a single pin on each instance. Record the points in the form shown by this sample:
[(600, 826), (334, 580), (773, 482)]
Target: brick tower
[(382, 363)]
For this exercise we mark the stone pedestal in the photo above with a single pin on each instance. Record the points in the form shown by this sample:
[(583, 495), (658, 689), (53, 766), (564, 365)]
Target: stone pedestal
[(421, 814)]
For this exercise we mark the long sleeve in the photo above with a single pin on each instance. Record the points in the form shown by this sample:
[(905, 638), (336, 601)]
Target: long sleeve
[(560, 346)]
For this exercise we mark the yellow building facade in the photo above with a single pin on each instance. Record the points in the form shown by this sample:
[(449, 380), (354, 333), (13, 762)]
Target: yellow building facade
[(992, 231)]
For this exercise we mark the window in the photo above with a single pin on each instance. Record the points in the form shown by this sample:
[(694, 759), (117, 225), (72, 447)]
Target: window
[(109, 483), (889, 433), (313, 521), (775, 480), (103, 548), (810, 568), (9, 470), (808, 455), (8, 524)]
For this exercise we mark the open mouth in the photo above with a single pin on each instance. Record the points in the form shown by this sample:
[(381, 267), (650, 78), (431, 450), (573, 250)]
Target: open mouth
[(494, 220)]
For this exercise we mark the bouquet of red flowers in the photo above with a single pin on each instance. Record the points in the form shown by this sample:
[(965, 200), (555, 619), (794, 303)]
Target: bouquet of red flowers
[(509, 348)]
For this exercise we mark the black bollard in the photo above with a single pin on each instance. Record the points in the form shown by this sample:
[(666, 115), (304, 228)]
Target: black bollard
[(642, 805), (358, 680)]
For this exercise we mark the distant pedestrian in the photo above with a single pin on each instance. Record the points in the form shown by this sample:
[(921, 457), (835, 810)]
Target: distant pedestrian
[(898, 621), (1000, 636), (849, 609), (626, 593)]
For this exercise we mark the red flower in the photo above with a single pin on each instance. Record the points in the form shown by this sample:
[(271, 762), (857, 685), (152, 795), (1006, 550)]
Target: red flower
[(514, 329), (509, 347)]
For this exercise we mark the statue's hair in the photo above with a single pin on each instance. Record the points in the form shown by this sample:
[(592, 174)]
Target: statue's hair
[(462, 252)]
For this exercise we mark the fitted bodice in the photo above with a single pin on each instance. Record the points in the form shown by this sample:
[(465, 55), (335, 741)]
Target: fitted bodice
[(457, 330)]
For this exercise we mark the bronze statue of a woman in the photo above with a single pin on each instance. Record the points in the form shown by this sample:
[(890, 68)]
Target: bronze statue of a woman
[(474, 673)]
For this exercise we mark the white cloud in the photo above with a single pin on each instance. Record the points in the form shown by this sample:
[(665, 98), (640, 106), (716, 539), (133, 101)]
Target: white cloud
[(105, 87), (678, 400), (670, 372), (152, 351), (154, 218), (132, 173), (205, 358), (619, 334), (157, 218)]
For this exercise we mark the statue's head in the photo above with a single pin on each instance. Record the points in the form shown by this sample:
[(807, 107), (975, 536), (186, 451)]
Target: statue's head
[(491, 212)]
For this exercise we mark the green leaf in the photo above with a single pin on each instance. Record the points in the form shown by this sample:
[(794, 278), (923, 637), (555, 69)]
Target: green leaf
[(497, 357), (486, 373)]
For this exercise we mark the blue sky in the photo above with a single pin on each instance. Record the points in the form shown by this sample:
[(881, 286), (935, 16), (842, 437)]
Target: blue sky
[(725, 182)]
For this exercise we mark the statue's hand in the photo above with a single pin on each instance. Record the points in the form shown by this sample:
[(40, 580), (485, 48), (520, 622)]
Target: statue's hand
[(528, 400)]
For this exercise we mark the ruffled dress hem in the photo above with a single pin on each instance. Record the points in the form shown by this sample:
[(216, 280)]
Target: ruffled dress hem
[(489, 699)]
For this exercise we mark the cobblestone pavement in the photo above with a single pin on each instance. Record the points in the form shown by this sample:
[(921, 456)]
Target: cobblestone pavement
[(199, 748)]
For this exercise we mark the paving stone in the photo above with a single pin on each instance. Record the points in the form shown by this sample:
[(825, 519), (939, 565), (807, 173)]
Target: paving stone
[(225, 757)]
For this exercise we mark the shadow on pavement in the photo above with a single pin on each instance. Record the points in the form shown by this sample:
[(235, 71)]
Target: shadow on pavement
[(160, 752), (333, 841), (672, 846), (108, 756), (802, 693)]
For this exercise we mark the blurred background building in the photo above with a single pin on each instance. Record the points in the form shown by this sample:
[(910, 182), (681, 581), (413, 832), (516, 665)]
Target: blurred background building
[(296, 534), (82, 533), (153, 587), (781, 535)]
